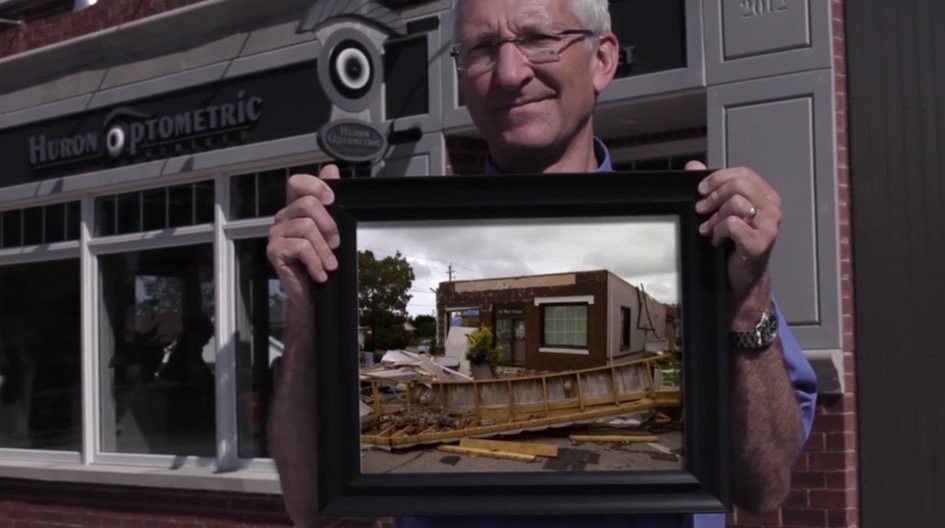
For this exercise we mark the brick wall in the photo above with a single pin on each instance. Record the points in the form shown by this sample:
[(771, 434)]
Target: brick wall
[(825, 477), (36, 504), (53, 21)]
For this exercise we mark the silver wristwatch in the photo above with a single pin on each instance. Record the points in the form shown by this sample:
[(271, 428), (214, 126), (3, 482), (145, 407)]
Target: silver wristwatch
[(761, 337)]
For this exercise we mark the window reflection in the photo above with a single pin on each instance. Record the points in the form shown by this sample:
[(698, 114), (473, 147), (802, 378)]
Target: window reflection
[(40, 356), (260, 337), (158, 352)]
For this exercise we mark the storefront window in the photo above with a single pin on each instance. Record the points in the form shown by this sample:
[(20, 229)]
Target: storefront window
[(152, 209), (565, 325), (257, 194), (39, 225), (158, 352), (260, 338), (40, 356)]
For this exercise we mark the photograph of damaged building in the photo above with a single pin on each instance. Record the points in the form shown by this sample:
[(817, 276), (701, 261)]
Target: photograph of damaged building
[(581, 383), (560, 321)]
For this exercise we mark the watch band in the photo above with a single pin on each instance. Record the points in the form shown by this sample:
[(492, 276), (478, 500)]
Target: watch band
[(760, 337)]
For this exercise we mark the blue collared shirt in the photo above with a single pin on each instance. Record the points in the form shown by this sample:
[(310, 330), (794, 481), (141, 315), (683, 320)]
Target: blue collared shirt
[(805, 388)]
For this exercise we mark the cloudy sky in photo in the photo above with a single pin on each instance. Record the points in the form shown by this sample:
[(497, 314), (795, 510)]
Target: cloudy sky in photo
[(642, 251)]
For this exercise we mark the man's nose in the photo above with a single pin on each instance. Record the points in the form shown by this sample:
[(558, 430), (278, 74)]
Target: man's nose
[(511, 66)]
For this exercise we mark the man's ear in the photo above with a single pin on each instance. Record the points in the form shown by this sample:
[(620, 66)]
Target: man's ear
[(605, 61)]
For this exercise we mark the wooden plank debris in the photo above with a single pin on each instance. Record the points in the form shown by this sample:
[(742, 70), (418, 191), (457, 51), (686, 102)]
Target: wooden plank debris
[(471, 451), (525, 448), (615, 439)]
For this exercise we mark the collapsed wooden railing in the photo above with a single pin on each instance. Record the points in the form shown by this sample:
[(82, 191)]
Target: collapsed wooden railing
[(433, 412)]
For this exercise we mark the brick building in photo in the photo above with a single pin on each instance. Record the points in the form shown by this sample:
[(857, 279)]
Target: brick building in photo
[(561, 321), (146, 145)]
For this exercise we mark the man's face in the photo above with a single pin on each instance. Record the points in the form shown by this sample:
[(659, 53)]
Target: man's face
[(519, 106)]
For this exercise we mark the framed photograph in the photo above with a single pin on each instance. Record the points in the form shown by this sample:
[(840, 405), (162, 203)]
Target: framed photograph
[(509, 345)]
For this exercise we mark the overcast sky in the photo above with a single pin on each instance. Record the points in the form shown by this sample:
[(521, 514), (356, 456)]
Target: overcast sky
[(642, 251)]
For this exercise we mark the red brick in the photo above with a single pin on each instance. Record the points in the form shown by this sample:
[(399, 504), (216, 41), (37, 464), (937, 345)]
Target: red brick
[(832, 461), (108, 521), (848, 518), (801, 463), (836, 405), (830, 423), (808, 479), (836, 10), (840, 441), (815, 442), (58, 27), (840, 480), (743, 517), (804, 517), (797, 498), (832, 499), (849, 362)]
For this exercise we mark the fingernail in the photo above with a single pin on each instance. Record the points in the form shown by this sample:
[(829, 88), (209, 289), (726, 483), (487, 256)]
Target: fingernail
[(703, 187), (703, 227), (328, 198), (334, 241), (700, 206), (331, 262)]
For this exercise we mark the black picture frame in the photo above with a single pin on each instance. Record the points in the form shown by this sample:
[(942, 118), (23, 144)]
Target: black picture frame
[(702, 485)]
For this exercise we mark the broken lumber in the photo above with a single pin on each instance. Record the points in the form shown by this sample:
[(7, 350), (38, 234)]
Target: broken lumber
[(614, 439), (472, 451), (525, 448)]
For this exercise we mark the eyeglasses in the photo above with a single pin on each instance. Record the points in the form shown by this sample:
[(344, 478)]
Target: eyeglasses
[(538, 48)]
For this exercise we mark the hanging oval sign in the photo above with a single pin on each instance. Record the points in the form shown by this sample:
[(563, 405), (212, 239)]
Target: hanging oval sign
[(351, 140)]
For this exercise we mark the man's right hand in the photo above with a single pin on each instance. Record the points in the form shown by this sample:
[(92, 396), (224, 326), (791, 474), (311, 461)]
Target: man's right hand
[(303, 239)]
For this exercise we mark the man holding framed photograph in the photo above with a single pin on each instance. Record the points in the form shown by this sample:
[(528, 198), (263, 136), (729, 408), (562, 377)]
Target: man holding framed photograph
[(530, 72)]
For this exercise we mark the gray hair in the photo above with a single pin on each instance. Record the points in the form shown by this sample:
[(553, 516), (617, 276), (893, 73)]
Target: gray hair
[(592, 14)]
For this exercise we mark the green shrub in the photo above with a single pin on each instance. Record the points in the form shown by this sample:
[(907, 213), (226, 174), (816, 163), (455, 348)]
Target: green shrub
[(481, 351)]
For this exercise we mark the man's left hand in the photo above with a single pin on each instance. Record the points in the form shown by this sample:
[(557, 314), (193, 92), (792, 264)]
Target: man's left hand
[(744, 208)]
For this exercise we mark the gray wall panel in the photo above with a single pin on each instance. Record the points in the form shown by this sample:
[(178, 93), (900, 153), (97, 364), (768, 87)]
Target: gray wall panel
[(426, 157), (756, 27), (750, 39), (207, 54), (273, 37), (158, 86), (784, 128), (784, 155), (274, 59), (67, 88), (45, 111)]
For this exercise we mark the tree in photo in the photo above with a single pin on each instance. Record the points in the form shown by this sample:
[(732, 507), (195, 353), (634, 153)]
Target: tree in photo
[(425, 325), (383, 293)]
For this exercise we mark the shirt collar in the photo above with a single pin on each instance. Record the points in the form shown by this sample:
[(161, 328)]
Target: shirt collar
[(600, 153)]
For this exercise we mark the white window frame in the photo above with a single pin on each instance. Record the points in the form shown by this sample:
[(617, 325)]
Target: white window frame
[(27, 255), (223, 472), (586, 300)]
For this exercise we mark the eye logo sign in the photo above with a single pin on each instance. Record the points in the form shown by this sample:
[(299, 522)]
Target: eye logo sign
[(350, 68), (130, 132), (350, 71), (116, 134)]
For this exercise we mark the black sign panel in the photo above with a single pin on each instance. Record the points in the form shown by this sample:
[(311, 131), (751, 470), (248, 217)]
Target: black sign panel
[(352, 140), (652, 35), (510, 311), (260, 107)]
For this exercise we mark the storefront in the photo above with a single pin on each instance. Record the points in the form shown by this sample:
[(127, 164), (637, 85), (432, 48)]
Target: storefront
[(139, 317)]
